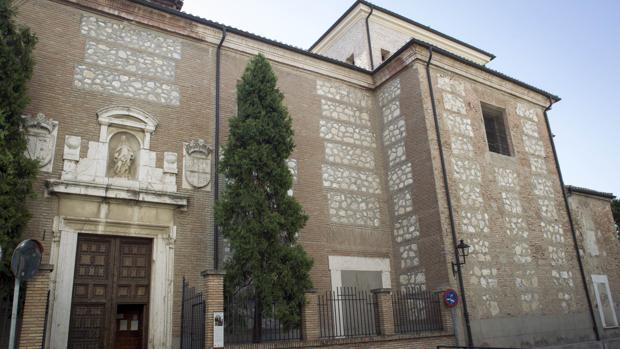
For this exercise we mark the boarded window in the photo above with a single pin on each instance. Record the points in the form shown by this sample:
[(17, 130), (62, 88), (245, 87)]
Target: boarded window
[(496, 130), (604, 301)]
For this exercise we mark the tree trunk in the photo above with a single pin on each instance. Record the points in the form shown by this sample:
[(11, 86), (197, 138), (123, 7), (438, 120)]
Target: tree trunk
[(258, 321)]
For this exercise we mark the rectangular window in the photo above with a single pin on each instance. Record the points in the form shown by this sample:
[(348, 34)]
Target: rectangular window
[(604, 301), (496, 130)]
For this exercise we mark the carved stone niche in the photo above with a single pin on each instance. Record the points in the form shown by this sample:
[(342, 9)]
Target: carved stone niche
[(123, 155), (41, 134), (197, 156), (127, 133)]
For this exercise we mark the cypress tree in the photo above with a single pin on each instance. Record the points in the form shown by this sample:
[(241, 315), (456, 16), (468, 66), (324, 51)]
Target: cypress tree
[(257, 216), (17, 172)]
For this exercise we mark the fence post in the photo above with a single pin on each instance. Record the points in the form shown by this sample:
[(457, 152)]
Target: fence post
[(35, 306), (310, 326), (384, 311), (214, 298)]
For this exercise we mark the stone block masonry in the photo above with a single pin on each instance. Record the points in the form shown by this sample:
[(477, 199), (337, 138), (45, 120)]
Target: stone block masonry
[(349, 174), (553, 234), (406, 230), (475, 225), (127, 61)]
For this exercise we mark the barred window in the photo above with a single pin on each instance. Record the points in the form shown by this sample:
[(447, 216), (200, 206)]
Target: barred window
[(497, 133)]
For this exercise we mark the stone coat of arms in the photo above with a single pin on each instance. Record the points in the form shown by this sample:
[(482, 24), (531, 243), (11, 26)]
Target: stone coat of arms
[(41, 136), (197, 163)]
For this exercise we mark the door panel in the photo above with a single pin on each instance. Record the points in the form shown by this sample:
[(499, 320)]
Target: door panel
[(110, 272)]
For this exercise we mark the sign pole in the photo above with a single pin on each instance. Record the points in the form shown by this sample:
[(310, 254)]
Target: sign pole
[(14, 313)]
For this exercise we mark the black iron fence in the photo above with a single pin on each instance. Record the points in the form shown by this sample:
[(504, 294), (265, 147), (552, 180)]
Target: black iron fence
[(347, 312), (239, 327), (416, 310), (193, 309)]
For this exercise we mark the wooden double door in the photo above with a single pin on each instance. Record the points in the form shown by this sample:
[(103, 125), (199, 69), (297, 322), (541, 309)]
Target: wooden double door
[(111, 288)]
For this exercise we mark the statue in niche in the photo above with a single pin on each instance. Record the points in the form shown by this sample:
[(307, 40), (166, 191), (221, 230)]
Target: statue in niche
[(123, 158)]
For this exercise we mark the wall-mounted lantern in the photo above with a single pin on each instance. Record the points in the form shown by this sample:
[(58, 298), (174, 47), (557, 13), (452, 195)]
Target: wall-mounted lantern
[(463, 251)]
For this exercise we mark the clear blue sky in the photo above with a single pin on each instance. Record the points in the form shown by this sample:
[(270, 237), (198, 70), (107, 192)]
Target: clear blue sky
[(569, 48)]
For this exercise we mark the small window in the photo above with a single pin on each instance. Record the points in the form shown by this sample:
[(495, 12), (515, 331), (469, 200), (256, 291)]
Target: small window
[(385, 54), (496, 130), (604, 300), (351, 59)]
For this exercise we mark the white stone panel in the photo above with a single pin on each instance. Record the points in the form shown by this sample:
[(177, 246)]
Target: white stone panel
[(454, 103), (466, 170), (406, 228), (390, 111), (344, 178), (516, 227), (526, 112), (389, 91), (403, 203), (547, 208), (533, 146), (459, 124), (350, 156), (450, 84), (538, 165), (512, 204), (396, 154), (394, 131), (470, 195), (128, 35), (335, 131), (542, 187), (400, 177), (552, 232), (462, 145), (353, 209), (409, 255), (102, 80), (413, 279), (342, 92), (530, 128), (506, 178), (129, 60), (475, 222), (343, 112)]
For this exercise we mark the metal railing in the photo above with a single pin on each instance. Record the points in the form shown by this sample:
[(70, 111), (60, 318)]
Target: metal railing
[(416, 310), (239, 312), (193, 309), (347, 312)]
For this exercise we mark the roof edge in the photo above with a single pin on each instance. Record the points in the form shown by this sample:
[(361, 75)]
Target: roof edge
[(247, 34), (587, 191), (458, 58), (411, 42), (403, 18)]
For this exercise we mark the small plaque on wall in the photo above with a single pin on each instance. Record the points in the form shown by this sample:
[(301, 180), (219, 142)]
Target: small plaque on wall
[(218, 330)]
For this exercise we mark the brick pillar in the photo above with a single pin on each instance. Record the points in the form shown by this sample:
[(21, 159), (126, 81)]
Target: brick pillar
[(214, 296), (384, 313), (310, 326), (33, 324)]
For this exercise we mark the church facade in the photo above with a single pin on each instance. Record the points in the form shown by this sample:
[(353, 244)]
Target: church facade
[(406, 144)]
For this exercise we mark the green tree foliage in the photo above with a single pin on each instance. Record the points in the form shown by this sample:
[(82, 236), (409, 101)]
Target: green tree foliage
[(17, 172), (615, 210), (256, 214)]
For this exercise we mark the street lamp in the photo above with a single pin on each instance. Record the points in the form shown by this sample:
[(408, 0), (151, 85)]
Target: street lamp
[(463, 251)]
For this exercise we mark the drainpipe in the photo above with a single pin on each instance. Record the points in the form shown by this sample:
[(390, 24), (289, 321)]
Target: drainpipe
[(216, 151), (470, 342), (372, 64), (572, 225)]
